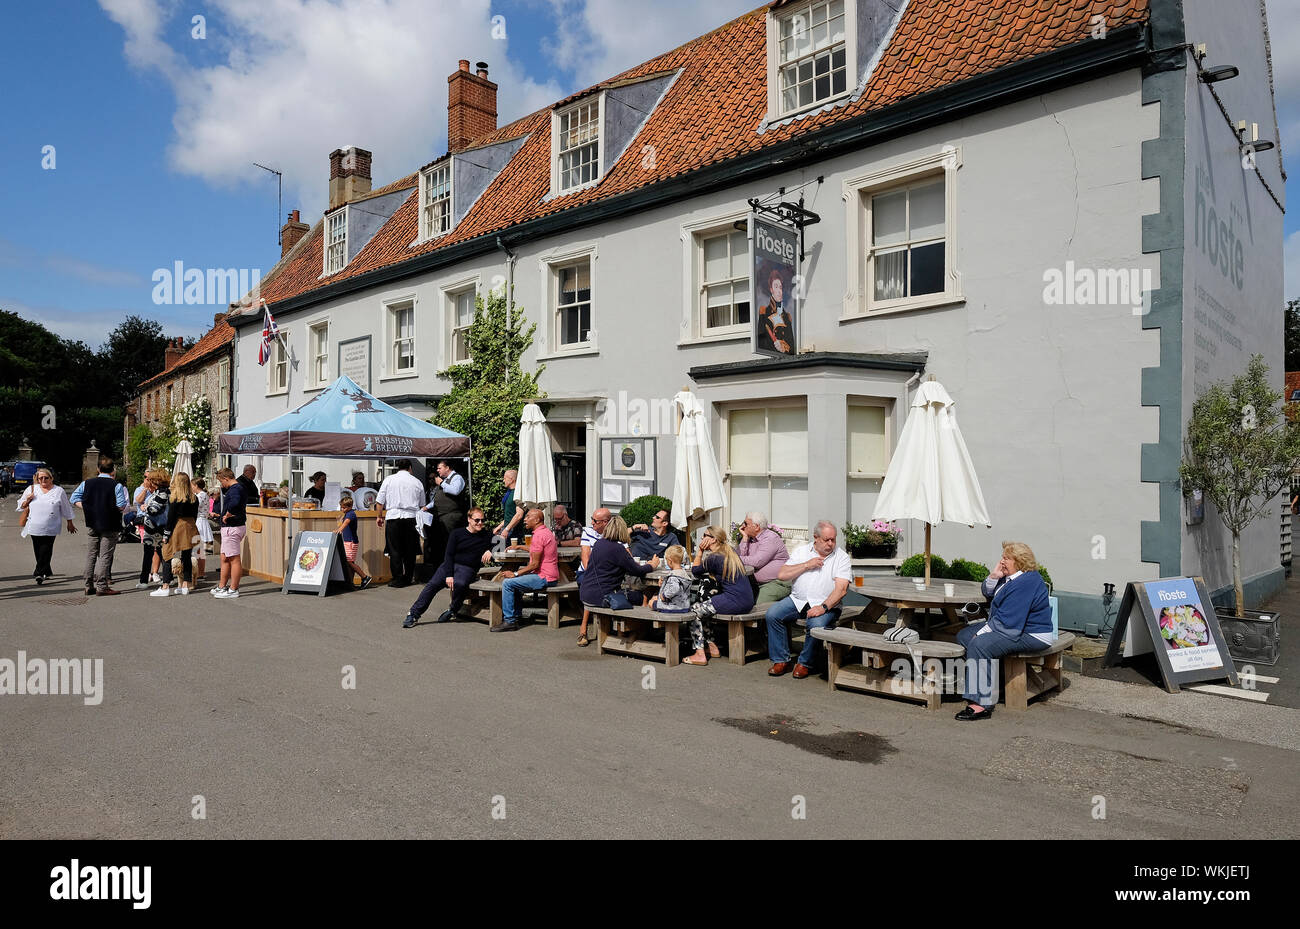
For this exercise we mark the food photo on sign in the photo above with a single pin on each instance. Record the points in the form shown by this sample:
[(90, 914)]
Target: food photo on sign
[(1183, 626), (309, 564)]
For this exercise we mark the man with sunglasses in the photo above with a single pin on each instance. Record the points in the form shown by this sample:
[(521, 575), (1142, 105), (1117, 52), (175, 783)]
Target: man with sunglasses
[(467, 549), (654, 539), (592, 534)]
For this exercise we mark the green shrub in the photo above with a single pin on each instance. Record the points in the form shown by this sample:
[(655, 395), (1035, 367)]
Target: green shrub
[(643, 509), (915, 567), (1047, 578), (963, 570)]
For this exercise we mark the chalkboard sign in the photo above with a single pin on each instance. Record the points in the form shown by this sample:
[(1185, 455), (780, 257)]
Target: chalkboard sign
[(317, 559), (1179, 624)]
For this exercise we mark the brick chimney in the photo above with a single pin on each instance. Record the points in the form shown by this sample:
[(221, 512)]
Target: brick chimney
[(471, 106), (349, 174), (294, 229), (173, 353)]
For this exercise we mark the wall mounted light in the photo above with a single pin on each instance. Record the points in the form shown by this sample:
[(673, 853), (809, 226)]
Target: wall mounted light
[(1213, 75)]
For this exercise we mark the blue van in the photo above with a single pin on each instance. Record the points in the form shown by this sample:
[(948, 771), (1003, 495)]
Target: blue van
[(24, 472)]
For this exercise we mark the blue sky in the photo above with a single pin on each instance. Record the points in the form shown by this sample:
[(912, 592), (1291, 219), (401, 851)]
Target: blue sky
[(155, 128)]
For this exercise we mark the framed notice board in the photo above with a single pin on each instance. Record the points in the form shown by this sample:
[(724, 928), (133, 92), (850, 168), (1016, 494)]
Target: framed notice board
[(317, 559), (1175, 619)]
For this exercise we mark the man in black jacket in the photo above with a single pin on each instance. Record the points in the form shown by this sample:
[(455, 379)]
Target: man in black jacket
[(466, 550), (103, 502)]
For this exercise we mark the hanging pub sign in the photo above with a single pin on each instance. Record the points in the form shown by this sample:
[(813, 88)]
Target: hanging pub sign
[(1174, 618), (774, 284), (317, 559)]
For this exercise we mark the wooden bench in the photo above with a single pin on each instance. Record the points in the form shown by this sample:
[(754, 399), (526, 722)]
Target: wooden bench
[(875, 674), (556, 595), (1025, 675), (632, 641)]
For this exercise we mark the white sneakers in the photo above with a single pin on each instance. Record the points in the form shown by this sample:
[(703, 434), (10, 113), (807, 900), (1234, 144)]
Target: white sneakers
[(225, 594), (141, 586), (155, 578), (218, 591), (160, 592), (185, 591)]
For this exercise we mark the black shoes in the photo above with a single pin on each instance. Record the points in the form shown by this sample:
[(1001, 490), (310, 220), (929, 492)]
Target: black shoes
[(506, 626), (365, 581), (968, 715), (409, 621), (445, 616)]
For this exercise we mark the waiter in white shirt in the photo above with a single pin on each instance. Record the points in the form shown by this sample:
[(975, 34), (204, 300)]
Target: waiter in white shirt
[(400, 498)]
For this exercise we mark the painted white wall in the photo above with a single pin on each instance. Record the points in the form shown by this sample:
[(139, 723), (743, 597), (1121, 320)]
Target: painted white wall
[(1049, 397)]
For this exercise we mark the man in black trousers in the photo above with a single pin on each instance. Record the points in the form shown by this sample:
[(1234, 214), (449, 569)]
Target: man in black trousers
[(102, 501), (466, 550), (400, 498)]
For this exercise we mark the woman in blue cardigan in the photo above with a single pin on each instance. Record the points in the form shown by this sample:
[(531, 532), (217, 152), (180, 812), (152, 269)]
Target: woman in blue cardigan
[(1020, 620)]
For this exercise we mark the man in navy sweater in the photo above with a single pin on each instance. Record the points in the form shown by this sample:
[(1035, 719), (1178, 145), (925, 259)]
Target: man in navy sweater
[(103, 501), (467, 548), (1020, 620)]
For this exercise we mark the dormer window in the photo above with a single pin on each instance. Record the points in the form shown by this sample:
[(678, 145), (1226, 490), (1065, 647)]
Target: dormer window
[(812, 55), (577, 161), (336, 241), (435, 201)]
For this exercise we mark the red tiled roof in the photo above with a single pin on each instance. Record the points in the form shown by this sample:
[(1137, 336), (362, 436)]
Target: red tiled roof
[(1292, 384), (215, 338), (712, 112)]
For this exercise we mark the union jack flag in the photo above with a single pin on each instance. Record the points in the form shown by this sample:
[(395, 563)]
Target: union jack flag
[(269, 333)]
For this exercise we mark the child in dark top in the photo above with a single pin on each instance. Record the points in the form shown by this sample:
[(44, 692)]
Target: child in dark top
[(351, 542)]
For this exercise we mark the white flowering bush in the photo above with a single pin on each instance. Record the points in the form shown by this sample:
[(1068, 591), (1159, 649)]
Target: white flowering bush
[(191, 421)]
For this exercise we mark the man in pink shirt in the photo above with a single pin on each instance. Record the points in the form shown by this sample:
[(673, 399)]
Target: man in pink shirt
[(763, 550), (542, 570)]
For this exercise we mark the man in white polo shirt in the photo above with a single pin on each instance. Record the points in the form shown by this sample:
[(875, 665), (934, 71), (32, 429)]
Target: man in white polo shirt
[(820, 575), (400, 498)]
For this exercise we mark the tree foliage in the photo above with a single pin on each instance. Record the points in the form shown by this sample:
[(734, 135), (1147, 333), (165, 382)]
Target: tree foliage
[(1291, 334), (488, 394), (1240, 452), (134, 353)]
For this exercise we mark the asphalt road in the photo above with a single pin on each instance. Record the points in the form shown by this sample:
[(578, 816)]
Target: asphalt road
[(454, 732)]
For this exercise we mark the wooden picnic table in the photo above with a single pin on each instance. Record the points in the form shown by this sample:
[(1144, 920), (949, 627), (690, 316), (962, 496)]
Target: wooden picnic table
[(568, 557), (901, 592)]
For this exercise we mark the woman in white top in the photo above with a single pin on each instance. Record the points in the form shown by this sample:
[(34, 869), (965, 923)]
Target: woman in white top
[(47, 508)]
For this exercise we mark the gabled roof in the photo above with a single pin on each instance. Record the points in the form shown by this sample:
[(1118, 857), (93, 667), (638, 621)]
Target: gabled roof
[(713, 111), (212, 342)]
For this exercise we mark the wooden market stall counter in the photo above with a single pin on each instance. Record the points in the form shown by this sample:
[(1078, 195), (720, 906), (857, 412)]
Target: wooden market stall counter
[(265, 551)]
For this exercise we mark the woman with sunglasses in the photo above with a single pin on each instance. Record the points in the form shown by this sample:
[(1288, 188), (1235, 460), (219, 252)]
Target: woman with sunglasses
[(716, 558), (45, 507)]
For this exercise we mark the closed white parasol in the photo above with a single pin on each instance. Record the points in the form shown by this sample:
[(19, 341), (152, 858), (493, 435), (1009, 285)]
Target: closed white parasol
[(697, 484), (536, 466), (931, 477)]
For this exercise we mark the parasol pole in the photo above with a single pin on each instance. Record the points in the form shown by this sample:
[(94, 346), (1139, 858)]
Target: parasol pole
[(927, 554)]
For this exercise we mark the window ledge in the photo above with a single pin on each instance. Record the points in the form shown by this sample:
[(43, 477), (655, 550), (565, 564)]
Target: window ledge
[(926, 303), (575, 353), (709, 339), (405, 375), (277, 393), (779, 118)]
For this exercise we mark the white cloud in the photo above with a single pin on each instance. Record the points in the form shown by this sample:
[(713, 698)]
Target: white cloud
[(601, 38), (296, 79), (1291, 265)]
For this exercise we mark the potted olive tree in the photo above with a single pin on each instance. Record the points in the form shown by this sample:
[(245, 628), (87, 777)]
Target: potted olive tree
[(1240, 451)]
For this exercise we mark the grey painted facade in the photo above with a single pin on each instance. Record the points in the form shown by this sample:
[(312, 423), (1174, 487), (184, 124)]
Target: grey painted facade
[(1073, 410)]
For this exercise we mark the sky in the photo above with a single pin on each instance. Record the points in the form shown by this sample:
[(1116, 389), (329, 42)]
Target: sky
[(129, 143)]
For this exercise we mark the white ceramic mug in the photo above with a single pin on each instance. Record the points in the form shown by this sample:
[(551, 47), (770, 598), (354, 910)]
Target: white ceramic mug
[(950, 590)]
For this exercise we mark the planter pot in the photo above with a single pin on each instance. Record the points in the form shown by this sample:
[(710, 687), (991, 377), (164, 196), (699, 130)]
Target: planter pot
[(1254, 638), (874, 551)]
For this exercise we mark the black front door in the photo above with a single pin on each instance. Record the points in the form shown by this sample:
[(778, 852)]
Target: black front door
[(571, 484)]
